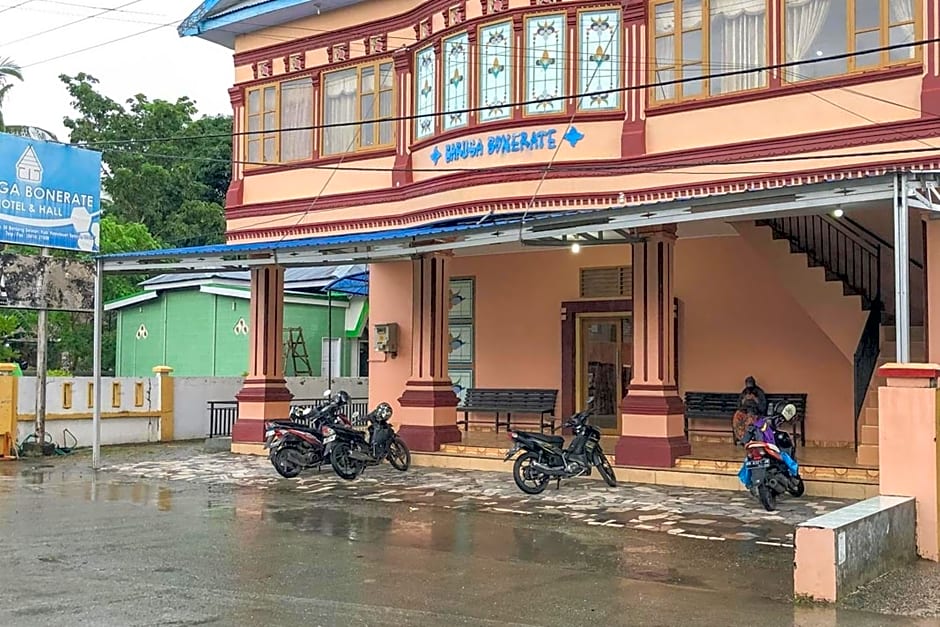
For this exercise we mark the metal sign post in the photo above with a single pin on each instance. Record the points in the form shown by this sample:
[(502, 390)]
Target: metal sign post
[(96, 367)]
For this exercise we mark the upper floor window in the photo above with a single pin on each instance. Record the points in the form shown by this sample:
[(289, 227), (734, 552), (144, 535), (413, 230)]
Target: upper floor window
[(280, 119), (692, 39), (358, 104), (823, 28), (545, 63)]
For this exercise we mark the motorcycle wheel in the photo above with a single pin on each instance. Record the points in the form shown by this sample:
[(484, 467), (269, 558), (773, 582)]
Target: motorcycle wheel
[(798, 490), (343, 465), (605, 469), (398, 454), (286, 461), (521, 475), (768, 498)]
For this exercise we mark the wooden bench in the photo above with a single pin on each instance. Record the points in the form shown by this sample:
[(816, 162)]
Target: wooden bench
[(720, 406), (509, 402)]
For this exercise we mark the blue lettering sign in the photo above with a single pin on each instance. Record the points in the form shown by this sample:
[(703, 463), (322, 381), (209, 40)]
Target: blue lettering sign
[(50, 194), (504, 144)]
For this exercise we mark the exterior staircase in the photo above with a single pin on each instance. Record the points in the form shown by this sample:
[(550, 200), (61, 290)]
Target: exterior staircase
[(851, 255)]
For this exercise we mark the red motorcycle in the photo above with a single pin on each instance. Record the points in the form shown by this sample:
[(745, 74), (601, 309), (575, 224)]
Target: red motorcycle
[(299, 443)]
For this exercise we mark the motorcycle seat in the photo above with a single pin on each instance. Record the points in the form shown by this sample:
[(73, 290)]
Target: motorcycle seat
[(555, 440), (290, 424)]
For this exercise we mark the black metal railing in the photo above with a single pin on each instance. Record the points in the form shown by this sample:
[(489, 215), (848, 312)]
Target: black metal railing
[(866, 360), (223, 414), (844, 254)]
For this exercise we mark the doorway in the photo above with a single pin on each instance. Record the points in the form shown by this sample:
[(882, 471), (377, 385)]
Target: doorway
[(605, 351)]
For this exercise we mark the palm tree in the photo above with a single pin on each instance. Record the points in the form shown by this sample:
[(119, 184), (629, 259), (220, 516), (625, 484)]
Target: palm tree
[(8, 71)]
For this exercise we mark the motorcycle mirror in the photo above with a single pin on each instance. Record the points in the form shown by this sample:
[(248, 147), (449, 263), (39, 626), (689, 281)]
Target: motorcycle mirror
[(327, 393)]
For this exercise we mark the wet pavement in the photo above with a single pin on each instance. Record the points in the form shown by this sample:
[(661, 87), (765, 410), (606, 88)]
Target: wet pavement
[(109, 548), (692, 513)]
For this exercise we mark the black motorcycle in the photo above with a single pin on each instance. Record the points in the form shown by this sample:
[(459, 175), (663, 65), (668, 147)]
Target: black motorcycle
[(351, 450), (296, 444), (545, 457)]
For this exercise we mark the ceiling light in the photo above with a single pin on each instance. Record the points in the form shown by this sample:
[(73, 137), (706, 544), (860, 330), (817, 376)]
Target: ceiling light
[(576, 248)]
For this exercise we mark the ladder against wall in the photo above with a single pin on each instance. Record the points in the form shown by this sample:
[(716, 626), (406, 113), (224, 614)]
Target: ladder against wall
[(295, 350)]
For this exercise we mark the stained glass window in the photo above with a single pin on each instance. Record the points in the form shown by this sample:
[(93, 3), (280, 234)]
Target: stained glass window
[(599, 59), (456, 92), (545, 63), (496, 75), (426, 86)]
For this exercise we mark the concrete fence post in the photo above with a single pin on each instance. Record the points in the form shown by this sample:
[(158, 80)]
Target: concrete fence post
[(908, 449), (165, 398), (8, 400)]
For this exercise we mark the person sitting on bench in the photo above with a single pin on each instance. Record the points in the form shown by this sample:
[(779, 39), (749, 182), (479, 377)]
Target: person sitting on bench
[(752, 404)]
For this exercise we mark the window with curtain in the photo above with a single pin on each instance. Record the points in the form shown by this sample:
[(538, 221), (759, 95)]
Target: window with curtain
[(280, 118), (358, 104), (696, 39), (820, 28)]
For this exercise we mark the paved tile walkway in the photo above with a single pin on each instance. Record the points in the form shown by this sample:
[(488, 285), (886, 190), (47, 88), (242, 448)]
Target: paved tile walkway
[(715, 515)]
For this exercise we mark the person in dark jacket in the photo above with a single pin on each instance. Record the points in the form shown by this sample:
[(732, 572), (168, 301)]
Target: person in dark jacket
[(752, 404)]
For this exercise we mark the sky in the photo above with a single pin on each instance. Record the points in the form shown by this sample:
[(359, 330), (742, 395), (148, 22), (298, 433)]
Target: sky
[(158, 64)]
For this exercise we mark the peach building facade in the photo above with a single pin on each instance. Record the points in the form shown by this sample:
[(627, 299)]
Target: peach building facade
[(728, 170)]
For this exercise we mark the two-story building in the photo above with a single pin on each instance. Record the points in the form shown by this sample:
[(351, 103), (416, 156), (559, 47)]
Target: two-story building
[(624, 199)]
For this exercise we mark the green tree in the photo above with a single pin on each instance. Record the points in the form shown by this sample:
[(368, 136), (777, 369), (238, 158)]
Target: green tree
[(166, 167), (8, 71)]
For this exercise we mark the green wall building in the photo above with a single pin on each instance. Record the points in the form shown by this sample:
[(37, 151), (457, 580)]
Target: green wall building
[(198, 324)]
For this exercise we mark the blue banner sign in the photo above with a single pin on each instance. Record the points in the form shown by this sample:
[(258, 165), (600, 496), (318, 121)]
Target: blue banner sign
[(505, 143), (50, 194)]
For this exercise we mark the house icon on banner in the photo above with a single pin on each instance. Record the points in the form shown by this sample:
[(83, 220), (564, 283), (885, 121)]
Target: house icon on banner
[(28, 168)]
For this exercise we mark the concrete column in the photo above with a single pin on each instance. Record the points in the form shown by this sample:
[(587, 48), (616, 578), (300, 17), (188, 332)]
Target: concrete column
[(428, 402), (652, 426), (932, 290), (909, 424), (264, 394)]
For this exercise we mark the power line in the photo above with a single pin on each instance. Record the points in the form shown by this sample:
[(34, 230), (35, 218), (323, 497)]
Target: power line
[(60, 12), (15, 6), (100, 45), (67, 24), (575, 96)]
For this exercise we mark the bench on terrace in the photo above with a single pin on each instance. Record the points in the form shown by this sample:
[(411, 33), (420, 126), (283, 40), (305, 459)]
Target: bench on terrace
[(525, 401), (719, 407)]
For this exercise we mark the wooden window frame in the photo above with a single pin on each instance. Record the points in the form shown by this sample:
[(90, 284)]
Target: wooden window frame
[(884, 29), (376, 66), (680, 62), (275, 133)]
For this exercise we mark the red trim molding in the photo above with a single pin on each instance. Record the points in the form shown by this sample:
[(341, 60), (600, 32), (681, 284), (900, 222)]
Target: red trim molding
[(248, 431), (429, 439), (650, 452), (269, 391), (909, 371), (637, 405), (428, 398)]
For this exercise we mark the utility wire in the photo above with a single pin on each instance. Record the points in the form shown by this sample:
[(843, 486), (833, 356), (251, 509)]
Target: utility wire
[(67, 24), (100, 45), (575, 96), (15, 6)]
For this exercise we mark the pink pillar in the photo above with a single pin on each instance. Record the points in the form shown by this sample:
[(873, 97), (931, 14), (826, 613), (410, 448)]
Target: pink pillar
[(429, 417), (932, 289), (652, 426), (909, 423), (264, 394)]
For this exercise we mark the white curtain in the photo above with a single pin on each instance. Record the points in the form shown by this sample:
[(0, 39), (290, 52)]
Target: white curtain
[(739, 27), (296, 113), (903, 11), (804, 20), (340, 95)]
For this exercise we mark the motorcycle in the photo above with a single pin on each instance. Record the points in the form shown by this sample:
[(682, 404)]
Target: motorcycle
[(351, 450), (545, 457), (297, 444), (770, 468)]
